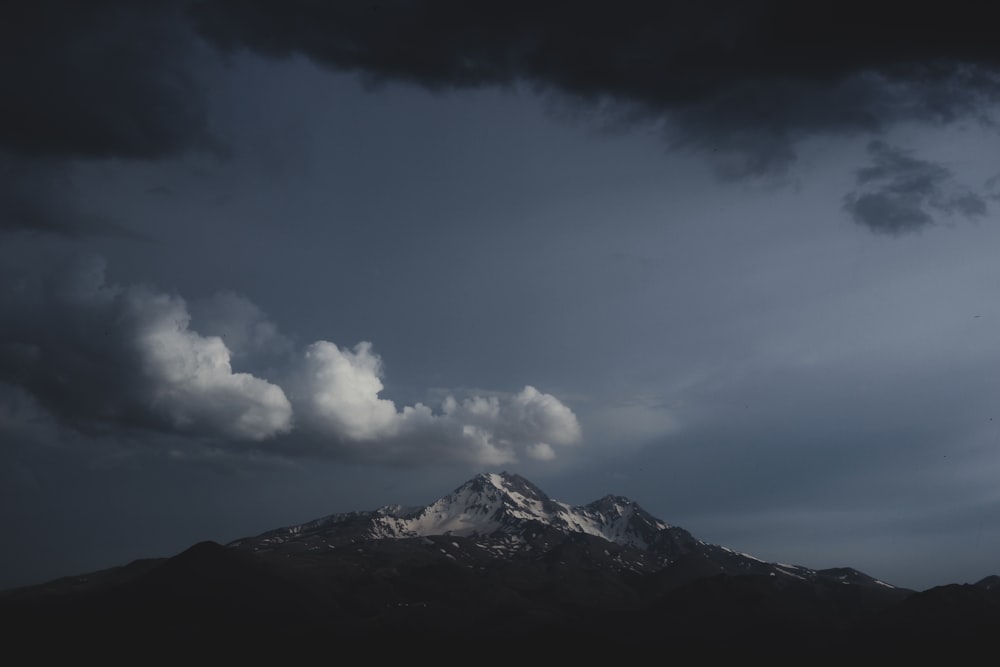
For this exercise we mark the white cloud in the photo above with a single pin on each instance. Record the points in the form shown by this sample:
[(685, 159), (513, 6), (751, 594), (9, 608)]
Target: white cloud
[(94, 353), (336, 394), (190, 377), (541, 451), (542, 415)]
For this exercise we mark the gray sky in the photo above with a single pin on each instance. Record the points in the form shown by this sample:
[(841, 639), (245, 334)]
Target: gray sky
[(263, 261)]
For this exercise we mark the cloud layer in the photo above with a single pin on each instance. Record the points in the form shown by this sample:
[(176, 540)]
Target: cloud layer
[(100, 356)]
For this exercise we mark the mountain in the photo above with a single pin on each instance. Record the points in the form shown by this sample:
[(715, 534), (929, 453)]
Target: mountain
[(496, 560), (503, 516)]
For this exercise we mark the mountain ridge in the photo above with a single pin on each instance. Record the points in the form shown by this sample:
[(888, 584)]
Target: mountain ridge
[(487, 503), (497, 557), (507, 516)]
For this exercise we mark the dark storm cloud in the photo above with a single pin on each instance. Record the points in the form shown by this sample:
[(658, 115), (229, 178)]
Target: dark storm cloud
[(742, 81), (98, 79), (90, 80), (900, 193), (744, 78)]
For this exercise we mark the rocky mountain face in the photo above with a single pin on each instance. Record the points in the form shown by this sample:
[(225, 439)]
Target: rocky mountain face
[(493, 562)]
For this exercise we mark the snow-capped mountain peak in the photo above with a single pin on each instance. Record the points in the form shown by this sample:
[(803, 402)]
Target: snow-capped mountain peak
[(488, 504), (505, 503), (502, 517)]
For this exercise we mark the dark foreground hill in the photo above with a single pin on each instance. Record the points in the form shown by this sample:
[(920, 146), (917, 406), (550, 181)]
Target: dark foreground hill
[(499, 568)]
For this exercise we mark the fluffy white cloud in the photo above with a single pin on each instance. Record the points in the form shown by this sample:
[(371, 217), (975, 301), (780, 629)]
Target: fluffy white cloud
[(336, 394), (529, 417), (541, 451), (93, 353), (190, 377), (534, 414)]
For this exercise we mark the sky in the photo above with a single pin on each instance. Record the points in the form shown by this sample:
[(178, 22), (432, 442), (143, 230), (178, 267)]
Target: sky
[(266, 261)]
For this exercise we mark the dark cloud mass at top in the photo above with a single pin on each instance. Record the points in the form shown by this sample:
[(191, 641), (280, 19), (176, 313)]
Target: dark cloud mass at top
[(104, 79), (742, 81), (665, 53), (747, 78), (98, 79), (113, 78)]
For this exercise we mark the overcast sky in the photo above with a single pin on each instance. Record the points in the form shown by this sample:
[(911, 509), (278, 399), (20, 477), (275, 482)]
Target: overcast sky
[(265, 261)]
